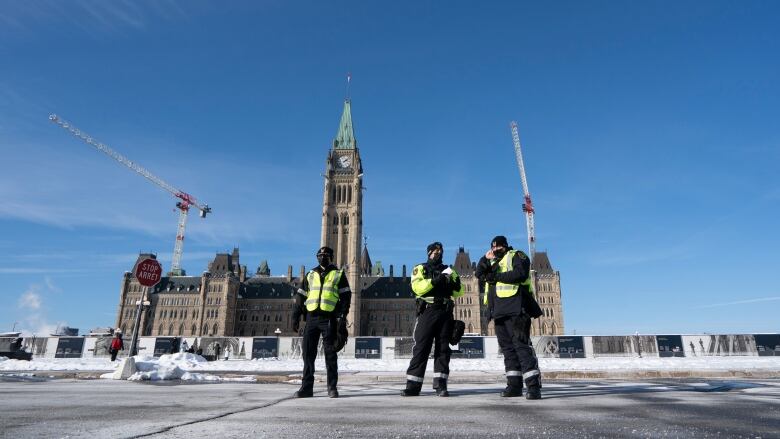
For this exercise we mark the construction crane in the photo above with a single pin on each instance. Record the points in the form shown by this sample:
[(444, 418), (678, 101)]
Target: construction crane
[(528, 207), (186, 201)]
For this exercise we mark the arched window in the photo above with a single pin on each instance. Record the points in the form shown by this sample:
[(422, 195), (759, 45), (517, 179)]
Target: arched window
[(554, 329), (181, 329), (205, 329), (214, 332), (333, 194), (544, 328), (241, 331), (335, 220), (170, 329), (194, 329), (471, 328), (159, 330), (384, 332), (349, 194), (265, 331), (254, 331)]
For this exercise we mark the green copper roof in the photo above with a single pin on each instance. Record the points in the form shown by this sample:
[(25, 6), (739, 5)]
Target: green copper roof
[(345, 139)]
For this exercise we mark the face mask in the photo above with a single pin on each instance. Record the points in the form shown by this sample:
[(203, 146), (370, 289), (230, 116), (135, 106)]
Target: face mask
[(499, 252), (323, 260), (435, 259)]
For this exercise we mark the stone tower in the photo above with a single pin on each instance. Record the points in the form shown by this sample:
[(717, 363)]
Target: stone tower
[(342, 208)]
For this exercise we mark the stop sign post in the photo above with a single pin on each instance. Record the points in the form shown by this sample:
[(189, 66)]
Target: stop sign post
[(148, 272)]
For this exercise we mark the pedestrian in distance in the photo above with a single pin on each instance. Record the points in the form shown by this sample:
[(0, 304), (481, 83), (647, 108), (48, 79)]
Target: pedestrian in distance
[(323, 300), (509, 296), (435, 285), (117, 344)]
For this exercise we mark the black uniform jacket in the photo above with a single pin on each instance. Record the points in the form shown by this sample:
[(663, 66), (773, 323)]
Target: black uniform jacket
[(345, 294), (523, 302)]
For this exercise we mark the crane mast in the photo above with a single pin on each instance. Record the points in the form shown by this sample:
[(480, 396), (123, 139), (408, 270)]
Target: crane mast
[(528, 207), (185, 200)]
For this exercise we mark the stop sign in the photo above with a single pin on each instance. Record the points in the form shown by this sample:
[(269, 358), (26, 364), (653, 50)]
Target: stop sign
[(148, 272)]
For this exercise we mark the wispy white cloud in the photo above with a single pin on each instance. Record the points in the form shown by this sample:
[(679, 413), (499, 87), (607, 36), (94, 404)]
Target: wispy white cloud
[(32, 305), (739, 302), (39, 270), (30, 299), (91, 16)]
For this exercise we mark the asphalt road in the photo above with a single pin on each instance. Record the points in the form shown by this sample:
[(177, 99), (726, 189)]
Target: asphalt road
[(34, 407)]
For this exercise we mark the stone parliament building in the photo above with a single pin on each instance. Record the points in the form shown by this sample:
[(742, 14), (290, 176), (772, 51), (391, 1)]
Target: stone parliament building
[(226, 300)]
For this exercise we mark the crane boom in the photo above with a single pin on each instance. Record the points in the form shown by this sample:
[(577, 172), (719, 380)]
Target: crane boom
[(528, 207), (184, 205)]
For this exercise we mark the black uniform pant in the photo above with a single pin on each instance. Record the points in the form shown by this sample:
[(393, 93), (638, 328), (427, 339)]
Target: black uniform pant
[(514, 338), (431, 330), (317, 325)]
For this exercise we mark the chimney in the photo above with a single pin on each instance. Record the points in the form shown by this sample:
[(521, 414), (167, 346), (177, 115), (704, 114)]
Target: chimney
[(303, 272), (391, 270), (404, 271), (289, 273)]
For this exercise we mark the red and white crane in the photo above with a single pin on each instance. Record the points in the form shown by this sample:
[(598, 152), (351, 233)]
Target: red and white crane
[(528, 207), (185, 200)]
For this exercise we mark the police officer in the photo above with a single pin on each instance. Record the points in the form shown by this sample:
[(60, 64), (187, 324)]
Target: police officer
[(511, 303), (435, 285), (323, 300)]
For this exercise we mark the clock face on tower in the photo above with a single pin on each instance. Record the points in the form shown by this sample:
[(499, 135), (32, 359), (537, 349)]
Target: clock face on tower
[(345, 161)]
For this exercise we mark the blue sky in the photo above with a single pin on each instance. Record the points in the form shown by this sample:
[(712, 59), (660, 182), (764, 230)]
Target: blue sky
[(649, 134)]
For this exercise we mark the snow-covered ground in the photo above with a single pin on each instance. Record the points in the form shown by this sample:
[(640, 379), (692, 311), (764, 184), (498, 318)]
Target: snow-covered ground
[(194, 368)]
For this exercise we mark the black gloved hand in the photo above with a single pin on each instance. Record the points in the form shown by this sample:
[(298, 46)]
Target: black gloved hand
[(296, 325), (440, 280), (490, 277)]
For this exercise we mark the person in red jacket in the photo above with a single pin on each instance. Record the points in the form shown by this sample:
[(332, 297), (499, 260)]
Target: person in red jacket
[(117, 344)]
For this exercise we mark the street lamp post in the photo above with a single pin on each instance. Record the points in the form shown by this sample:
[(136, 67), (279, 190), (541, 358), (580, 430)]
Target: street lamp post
[(277, 332), (142, 304)]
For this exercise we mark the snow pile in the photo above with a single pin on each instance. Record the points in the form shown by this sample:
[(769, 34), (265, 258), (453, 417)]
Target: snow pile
[(3, 358), (170, 367), (59, 364)]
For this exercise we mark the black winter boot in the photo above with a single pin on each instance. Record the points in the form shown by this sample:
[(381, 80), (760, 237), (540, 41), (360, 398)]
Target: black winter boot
[(303, 393), (534, 385), (514, 387), (333, 393), (534, 392), (412, 388), (441, 390)]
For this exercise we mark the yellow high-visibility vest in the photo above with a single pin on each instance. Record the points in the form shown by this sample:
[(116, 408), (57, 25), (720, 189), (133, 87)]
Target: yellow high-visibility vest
[(422, 285), (508, 290), (323, 295)]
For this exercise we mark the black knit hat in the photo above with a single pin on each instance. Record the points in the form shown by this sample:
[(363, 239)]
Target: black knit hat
[(435, 245), (499, 240), (325, 251)]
